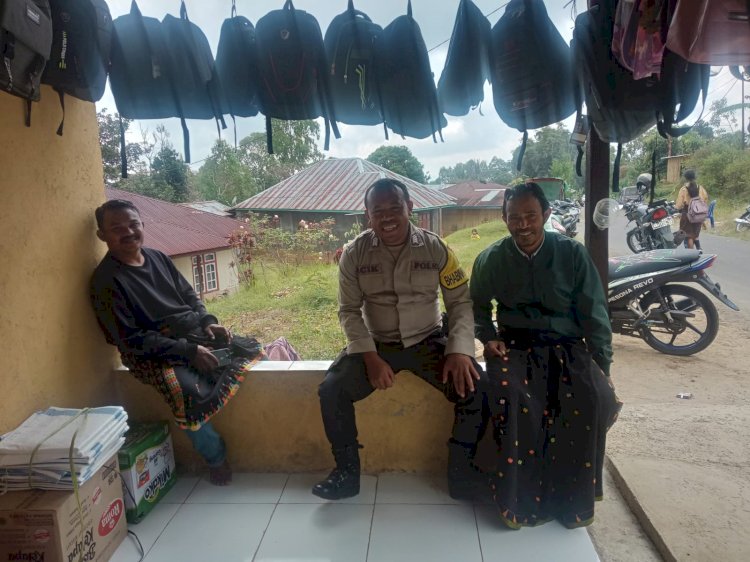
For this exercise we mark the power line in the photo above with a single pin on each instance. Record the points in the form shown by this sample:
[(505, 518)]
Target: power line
[(485, 15)]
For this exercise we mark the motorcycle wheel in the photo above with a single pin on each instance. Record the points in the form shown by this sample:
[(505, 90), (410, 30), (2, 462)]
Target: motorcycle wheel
[(695, 332), (741, 226), (635, 242)]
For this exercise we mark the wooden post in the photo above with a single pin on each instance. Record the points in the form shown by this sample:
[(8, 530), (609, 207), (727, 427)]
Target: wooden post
[(597, 188)]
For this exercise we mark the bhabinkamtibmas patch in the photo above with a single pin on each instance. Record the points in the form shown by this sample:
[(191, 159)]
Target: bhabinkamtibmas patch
[(452, 276)]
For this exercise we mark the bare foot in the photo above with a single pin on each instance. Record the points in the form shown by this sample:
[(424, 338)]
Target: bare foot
[(220, 475)]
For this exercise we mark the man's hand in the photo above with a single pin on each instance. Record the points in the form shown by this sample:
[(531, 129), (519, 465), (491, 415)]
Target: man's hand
[(379, 372), (495, 348), (214, 331), (460, 369), (205, 361)]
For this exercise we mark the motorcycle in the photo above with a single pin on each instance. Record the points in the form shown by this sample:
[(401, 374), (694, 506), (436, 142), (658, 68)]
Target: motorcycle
[(648, 299), (566, 214), (743, 223), (653, 226)]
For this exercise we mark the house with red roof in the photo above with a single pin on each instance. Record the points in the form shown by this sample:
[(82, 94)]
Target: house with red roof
[(476, 202), (197, 241), (336, 188)]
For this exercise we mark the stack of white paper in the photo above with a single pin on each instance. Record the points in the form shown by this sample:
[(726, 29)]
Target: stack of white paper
[(39, 453)]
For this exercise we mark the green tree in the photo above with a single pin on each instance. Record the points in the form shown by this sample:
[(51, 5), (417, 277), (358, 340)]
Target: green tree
[(109, 140), (170, 173), (547, 155), (295, 145), (399, 159), (496, 171), (224, 176)]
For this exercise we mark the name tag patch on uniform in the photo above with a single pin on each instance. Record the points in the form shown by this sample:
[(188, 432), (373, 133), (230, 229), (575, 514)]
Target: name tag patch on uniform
[(452, 275), (370, 269), (425, 265)]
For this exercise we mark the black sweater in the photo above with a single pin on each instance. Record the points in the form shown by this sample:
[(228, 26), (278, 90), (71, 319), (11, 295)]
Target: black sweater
[(147, 310)]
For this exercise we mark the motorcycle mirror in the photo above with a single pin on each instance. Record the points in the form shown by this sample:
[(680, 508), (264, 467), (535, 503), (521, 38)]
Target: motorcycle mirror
[(603, 210)]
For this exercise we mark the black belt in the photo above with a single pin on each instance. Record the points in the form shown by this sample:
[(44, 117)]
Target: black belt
[(524, 338)]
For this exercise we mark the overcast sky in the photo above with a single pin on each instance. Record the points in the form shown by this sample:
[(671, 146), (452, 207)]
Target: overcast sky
[(473, 136)]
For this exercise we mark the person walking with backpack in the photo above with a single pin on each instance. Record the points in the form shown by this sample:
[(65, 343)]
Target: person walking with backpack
[(692, 202)]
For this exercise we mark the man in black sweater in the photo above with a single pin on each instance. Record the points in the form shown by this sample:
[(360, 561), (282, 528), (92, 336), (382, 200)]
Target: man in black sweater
[(151, 313)]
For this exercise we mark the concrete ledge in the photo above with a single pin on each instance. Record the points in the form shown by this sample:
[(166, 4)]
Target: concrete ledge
[(274, 424)]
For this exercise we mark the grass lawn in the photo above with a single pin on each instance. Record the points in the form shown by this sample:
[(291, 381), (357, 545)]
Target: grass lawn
[(300, 303)]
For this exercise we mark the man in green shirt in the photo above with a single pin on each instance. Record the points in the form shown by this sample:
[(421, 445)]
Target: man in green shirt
[(548, 363)]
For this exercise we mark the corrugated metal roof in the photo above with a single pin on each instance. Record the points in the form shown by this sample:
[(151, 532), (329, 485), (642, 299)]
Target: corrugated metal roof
[(214, 207), (337, 185), (175, 229), (477, 194)]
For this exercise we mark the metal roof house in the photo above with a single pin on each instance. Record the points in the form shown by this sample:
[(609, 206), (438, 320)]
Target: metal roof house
[(197, 241), (336, 188), (477, 202)]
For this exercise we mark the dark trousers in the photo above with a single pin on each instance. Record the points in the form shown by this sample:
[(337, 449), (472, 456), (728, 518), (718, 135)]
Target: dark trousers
[(346, 382)]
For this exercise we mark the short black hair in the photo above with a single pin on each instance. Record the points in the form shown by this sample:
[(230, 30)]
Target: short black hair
[(384, 184), (522, 189), (113, 205), (689, 175)]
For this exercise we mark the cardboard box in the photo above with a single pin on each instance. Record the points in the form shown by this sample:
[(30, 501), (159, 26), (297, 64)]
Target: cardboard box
[(147, 466), (44, 525)]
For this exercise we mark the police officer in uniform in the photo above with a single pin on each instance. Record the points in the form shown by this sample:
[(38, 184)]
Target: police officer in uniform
[(389, 309)]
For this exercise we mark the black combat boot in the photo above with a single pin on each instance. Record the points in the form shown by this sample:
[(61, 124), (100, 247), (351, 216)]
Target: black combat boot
[(343, 481), (463, 478)]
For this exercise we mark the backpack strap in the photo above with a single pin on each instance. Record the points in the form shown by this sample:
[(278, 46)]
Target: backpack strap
[(665, 123), (123, 153), (234, 8), (522, 151), (616, 169), (269, 135), (61, 95)]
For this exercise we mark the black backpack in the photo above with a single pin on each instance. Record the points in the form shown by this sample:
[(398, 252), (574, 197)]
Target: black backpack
[(350, 49), (533, 83), (467, 68), (237, 66), (25, 42), (139, 73), (192, 72), (81, 42), (292, 68), (408, 96)]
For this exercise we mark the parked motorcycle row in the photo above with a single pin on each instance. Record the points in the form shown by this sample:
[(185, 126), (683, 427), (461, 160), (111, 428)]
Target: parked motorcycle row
[(649, 293), (564, 218)]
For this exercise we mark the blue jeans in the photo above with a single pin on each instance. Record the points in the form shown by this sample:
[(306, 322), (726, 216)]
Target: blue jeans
[(209, 444)]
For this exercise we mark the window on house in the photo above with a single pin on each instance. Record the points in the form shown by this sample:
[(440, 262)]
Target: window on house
[(208, 275)]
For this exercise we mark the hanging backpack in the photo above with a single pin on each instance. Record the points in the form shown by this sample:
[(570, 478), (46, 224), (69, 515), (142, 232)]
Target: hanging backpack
[(408, 96), (713, 32), (81, 42), (292, 68), (192, 73), (619, 107), (139, 70), (467, 68), (697, 210), (350, 49), (25, 42), (237, 66), (532, 69)]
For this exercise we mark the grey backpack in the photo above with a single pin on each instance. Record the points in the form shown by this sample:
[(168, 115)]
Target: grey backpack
[(25, 44)]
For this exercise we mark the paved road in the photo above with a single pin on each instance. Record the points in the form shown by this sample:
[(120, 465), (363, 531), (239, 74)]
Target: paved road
[(731, 269)]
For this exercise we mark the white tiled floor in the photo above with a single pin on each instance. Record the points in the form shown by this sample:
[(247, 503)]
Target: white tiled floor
[(396, 517)]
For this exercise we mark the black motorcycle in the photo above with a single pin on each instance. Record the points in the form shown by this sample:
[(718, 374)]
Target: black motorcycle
[(648, 299), (653, 226)]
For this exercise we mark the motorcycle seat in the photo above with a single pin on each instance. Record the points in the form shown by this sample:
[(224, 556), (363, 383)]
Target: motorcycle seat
[(649, 262)]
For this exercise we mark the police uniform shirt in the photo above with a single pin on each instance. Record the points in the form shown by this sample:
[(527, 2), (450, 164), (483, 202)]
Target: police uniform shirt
[(393, 297)]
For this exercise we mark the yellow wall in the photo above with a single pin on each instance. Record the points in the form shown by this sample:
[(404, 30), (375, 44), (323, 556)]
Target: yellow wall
[(52, 350)]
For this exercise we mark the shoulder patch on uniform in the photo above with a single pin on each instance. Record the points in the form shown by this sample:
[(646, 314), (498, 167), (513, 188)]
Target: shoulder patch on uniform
[(452, 275)]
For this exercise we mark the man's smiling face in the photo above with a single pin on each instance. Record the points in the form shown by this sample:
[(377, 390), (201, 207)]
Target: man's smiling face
[(389, 214), (525, 220)]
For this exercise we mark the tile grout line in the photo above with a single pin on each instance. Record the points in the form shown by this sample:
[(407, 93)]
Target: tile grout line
[(181, 505), (479, 537), (372, 518), (275, 507)]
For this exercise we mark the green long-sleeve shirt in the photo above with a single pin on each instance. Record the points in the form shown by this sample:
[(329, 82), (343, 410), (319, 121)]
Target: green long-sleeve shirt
[(557, 290)]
